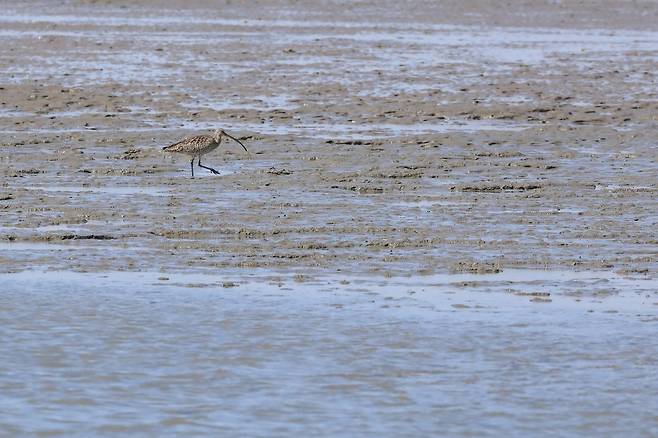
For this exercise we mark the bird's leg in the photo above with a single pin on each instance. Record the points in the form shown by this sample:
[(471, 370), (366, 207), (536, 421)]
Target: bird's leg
[(207, 168), (192, 166)]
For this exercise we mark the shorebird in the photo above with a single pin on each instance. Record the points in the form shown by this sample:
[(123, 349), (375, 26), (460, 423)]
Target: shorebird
[(199, 145)]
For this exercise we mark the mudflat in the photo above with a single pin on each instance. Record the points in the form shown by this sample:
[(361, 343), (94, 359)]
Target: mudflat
[(446, 222), (383, 139)]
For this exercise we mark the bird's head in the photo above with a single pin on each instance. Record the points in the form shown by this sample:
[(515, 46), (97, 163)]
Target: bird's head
[(219, 133)]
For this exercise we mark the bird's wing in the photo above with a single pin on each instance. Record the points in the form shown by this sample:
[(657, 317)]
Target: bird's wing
[(188, 144)]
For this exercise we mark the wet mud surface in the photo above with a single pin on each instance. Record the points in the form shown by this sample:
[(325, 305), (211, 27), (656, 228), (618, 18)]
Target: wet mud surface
[(378, 146), (458, 149)]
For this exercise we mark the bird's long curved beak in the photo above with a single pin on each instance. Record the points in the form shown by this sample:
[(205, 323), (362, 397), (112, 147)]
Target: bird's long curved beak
[(233, 138)]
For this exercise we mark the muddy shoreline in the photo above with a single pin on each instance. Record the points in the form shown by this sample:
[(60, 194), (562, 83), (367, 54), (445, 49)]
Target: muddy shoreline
[(446, 223), (437, 148)]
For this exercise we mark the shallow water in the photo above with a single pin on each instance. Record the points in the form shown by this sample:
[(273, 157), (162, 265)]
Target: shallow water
[(110, 190), (203, 353), (321, 130), (407, 44), (38, 246)]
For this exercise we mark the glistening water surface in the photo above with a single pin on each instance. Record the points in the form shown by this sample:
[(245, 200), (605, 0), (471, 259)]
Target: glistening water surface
[(171, 354)]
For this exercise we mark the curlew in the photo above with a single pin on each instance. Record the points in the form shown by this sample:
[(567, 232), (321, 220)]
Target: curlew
[(199, 145)]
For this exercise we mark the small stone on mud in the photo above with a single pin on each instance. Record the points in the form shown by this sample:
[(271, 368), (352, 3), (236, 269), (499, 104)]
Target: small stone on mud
[(274, 171), (30, 171), (367, 190), (86, 237), (533, 294)]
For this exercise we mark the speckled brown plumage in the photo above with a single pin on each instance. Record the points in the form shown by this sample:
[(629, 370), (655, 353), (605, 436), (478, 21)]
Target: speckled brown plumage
[(195, 146), (199, 145)]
